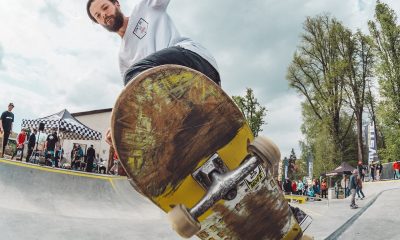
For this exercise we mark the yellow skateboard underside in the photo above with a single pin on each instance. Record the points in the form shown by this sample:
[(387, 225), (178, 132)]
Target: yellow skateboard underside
[(166, 123)]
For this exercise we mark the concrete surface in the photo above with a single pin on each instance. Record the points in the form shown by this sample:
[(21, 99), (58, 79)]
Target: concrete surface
[(50, 204), (53, 204), (330, 216), (381, 221)]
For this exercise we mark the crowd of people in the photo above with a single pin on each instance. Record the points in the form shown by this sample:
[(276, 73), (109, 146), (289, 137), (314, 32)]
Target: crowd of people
[(352, 185), (306, 188), (51, 153)]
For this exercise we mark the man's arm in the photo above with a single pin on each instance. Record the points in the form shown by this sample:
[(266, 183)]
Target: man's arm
[(1, 122)]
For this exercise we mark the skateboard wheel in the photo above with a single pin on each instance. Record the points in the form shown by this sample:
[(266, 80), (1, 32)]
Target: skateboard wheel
[(182, 222), (307, 237), (265, 149)]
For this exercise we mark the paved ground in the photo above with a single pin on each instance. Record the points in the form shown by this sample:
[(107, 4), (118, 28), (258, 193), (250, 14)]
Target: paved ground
[(380, 221), (51, 204), (330, 216)]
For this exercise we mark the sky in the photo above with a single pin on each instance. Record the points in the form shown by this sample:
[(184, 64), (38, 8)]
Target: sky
[(53, 57)]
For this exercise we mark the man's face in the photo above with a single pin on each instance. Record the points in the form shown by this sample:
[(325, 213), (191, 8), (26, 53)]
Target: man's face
[(107, 14), (10, 108)]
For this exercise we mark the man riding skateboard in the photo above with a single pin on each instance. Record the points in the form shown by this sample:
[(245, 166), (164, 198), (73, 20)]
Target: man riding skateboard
[(149, 39)]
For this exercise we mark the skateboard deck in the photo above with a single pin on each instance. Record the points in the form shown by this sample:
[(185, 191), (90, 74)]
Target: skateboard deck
[(167, 125)]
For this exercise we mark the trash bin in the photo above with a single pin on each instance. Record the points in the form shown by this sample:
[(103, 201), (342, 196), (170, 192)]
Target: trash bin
[(331, 193)]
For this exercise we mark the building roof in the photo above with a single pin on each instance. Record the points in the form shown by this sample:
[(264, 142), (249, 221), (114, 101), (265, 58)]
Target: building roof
[(77, 114)]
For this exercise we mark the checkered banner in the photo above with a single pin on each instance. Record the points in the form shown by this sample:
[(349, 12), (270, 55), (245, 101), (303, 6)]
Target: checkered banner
[(68, 126)]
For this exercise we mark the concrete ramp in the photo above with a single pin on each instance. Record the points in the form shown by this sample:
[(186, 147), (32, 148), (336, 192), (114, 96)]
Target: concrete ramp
[(46, 203)]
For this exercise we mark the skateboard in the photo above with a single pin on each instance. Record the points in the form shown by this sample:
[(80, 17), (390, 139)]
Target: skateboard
[(187, 147)]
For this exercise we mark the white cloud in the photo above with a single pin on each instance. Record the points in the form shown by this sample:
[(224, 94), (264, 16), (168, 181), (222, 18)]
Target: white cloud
[(283, 123)]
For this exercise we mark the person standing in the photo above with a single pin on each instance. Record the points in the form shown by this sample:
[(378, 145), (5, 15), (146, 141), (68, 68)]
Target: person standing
[(31, 144), (294, 187), (396, 168), (300, 187), (91, 154), (372, 169), (80, 161), (353, 187), (379, 169), (6, 124), (324, 188), (21, 139), (359, 188), (287, 186), (51, 143), (361, 170), (316, 186)]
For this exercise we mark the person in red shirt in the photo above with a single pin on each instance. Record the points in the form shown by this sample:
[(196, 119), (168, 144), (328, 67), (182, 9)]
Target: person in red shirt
[(21, 139), (294, 187), (396, 168)]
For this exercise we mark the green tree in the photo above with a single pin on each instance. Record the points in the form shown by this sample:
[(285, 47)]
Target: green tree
[(358, 60), (386, 35), (318, 73), (292, 164), (253, 111)]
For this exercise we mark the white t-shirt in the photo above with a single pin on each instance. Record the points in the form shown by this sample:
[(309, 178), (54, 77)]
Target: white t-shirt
[(150, 29)]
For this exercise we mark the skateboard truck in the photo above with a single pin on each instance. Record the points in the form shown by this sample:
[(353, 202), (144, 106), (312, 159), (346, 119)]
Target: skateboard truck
[(210, 172), (220, 183)]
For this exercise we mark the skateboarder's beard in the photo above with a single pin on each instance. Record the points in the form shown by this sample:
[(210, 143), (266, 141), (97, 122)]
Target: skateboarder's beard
[(118, 22)]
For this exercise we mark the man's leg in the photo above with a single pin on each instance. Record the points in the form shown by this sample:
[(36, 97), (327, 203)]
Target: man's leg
[(363, 196), (353, 198), (5, 140), (177, 56), (28, 156)]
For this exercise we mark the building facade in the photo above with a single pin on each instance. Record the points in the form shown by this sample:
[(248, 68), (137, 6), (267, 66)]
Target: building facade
[(98, 120)]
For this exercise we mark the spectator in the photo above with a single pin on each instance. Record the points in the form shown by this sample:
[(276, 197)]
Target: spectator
[(81, 161), (31, 144), (50, 147), (396, 168), (287, 186), (300, 187), (372, 169), (379, 169), (77, 154), (359, 189), (6, 124), (353, 187), (21, 139), (324, 188), (316, 186), (310, 191), (361, 170), (91, 154), (294, 187), (305, 188)]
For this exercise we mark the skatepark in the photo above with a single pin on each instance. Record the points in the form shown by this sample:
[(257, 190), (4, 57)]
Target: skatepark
[(46, 203)]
